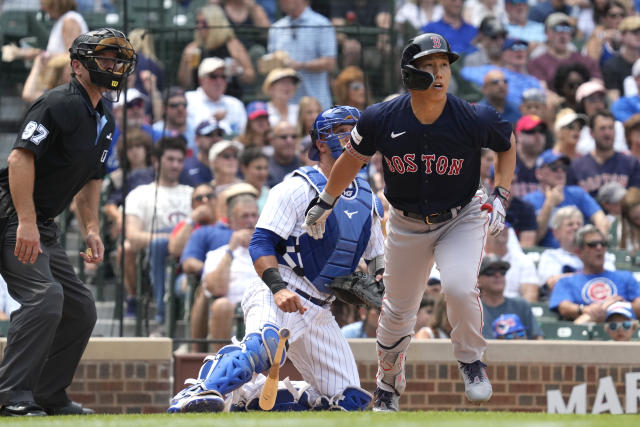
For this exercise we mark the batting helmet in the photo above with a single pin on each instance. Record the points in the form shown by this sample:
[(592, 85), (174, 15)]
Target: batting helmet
[(423, 45), (105, 71), (323, 126)]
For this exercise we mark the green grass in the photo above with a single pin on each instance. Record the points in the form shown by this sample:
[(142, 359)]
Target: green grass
[(333, 419)]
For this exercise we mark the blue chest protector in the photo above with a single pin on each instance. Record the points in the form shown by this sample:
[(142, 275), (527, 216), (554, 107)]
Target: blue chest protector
[(347, 233)]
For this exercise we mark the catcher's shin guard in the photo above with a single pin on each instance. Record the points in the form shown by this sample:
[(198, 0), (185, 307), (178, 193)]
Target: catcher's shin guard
[(234, 365), (391, 360)]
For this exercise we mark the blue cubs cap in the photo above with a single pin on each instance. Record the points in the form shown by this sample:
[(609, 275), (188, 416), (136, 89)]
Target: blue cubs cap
[(550, 156), (507, 324), (620, 307), (515, 44), (257, 109)]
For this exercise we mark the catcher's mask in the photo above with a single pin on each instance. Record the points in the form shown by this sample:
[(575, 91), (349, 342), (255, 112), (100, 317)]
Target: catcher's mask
[(323, 126), (105, 69), (423, 45)]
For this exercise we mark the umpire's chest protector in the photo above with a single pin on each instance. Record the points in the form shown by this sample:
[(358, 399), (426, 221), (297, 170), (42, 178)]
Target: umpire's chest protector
[(347, 233)]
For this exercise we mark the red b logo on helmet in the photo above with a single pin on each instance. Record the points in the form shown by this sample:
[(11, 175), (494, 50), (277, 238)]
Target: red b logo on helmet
[(436, 42)]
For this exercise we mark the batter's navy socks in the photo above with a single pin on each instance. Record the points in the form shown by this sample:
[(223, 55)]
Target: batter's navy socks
[(385, 401), (476, 382), (72, 408)]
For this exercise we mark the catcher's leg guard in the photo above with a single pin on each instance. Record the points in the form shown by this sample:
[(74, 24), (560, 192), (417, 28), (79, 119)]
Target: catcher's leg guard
[(391, 360), (195, 387), (353, 399), (233, 366)]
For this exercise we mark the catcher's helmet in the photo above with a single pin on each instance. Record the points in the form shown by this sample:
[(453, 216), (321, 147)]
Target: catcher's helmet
[(322, 129), (424, 44), (89, 49)]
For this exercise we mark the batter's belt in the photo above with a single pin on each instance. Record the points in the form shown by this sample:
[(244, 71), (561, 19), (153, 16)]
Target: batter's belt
[(436, 217)]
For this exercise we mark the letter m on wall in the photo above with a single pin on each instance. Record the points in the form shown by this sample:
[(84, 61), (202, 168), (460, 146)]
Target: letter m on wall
[(577, 401)]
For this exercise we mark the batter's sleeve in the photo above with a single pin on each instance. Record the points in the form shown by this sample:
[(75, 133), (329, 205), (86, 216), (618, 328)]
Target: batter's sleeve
[(362, 144), (494, 132), (39, 128)]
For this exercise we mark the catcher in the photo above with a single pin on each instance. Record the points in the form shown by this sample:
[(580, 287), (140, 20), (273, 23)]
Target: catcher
[(295, 291)]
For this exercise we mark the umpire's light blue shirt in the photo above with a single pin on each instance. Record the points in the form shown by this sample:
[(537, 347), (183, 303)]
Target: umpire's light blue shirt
[(305, 43)]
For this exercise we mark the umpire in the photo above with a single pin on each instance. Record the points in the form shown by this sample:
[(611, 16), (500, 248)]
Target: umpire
[(59, 153)]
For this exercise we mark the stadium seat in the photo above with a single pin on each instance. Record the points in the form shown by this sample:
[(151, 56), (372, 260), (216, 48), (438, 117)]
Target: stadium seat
[(565, 331), (542, 313)]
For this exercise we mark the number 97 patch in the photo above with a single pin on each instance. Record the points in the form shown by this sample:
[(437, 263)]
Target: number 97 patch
[(34, 132)]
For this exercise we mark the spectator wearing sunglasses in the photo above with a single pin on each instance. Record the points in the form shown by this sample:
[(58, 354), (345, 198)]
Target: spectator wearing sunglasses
[(530, 132), (512, 62), (197, 169), (349, 88), (174, 120), (567, 127), (489, 41), (603, 164), (223, 161), (621, 322), (551, 168), (616, 69), (585, 295), (494, 88), (520, 26), (491, 282), (209, 99), (559, 51), (604, 41), (508, 327)]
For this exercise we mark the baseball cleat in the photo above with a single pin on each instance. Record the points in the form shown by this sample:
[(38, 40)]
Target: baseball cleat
[(476, 382), (385, 401), (209, 401)]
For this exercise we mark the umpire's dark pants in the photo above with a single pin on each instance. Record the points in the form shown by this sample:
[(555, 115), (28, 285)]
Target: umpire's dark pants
[(50, 331)]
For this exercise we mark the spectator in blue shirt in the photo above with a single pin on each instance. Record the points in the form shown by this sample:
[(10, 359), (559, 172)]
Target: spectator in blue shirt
[(364, 328), (551, 171), (625, 107), (310, 40), (518, 24), (453, 28), (586, 295), (495, 88)]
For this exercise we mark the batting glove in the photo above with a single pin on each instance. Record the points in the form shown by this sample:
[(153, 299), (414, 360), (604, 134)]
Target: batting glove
[(496, 207), (316, 215)]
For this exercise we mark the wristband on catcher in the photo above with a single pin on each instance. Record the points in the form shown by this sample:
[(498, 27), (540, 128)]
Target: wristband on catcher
[(272, 278)]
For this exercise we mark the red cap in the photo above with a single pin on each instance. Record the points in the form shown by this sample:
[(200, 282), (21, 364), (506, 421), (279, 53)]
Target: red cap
[(528, 122)]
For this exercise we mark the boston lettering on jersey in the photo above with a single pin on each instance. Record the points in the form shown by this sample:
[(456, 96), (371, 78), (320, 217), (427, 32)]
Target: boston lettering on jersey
[(442, 166), (437, 162), (593, 183)]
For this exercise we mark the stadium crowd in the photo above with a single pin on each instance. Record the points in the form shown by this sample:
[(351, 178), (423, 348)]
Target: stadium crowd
[(208, 136)]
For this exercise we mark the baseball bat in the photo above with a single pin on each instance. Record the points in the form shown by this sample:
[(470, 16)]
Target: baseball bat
[(270, 388)]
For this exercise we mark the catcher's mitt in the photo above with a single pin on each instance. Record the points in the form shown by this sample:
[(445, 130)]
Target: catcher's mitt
[(358, 288)]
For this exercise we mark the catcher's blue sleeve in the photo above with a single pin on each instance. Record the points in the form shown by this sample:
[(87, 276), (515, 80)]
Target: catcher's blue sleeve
[(263, 243)]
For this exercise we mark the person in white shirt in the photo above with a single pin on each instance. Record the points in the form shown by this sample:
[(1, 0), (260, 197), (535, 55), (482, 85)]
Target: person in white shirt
[(228, 270), (521, 279), (153, 210), (557, 263), (209, 100)]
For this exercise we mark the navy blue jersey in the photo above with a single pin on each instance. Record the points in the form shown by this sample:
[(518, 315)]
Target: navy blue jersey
[(429, 168), (586, 172), (524, 180)]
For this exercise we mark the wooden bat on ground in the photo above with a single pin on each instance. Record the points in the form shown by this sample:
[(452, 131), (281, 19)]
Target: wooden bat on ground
[(270, 388)]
